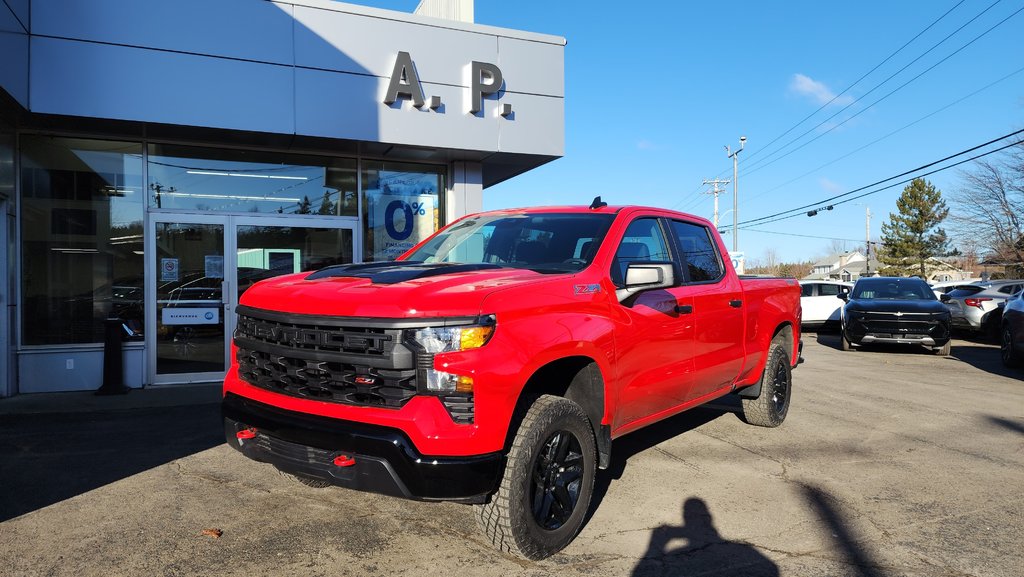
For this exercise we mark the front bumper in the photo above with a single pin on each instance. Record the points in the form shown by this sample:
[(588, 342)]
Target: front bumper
[(926, 341), (385, 461)]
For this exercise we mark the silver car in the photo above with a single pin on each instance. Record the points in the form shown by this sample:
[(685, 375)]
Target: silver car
[(975, 307)]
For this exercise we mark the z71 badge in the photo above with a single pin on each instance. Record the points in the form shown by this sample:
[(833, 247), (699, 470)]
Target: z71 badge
[(587, 289)]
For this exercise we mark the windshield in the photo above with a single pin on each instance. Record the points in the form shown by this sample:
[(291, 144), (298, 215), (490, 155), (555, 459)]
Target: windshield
[(547, 242), (893, 289)]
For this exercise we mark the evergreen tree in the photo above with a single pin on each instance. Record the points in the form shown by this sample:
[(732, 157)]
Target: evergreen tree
[(326, 206), (913, 235), (304, 206)]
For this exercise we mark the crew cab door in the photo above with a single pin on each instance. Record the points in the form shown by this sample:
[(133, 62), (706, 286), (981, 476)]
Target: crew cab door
[(654, 339), (718, 308)]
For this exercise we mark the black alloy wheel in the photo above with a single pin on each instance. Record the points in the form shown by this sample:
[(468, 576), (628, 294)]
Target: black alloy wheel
[(780, 388), (557, 478)]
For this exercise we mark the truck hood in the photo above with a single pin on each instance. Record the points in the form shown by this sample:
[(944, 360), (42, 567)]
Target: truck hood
[(389, 290)]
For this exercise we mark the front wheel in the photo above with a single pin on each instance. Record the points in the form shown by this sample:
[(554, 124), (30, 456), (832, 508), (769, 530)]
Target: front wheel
[(769, 409), (545, 492), (943, 351), (847, 345)]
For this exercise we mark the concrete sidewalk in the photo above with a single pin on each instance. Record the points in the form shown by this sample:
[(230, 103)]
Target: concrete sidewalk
[(88, 401)]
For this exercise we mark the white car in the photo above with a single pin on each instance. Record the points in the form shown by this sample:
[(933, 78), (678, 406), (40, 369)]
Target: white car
[(820, 303)]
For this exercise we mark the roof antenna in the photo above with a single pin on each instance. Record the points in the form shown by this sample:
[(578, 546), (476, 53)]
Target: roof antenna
[(597, 203)]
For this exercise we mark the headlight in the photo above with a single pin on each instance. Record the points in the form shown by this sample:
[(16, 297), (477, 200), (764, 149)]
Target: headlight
[(435, 340)]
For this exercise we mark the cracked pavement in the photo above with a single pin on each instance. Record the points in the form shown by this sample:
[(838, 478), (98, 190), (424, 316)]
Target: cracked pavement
[(891, 462)]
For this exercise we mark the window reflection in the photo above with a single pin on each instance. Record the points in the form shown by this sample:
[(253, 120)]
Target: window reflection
[(190, 178), (81, 223), (269, 251)]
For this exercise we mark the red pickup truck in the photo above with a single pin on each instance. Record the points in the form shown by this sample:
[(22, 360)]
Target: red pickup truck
[(495, 362)]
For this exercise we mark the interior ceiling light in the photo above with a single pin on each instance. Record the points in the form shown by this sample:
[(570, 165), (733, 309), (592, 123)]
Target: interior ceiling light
[(274, 176)]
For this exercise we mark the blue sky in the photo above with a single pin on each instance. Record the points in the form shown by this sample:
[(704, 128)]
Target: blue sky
[(654, 90)]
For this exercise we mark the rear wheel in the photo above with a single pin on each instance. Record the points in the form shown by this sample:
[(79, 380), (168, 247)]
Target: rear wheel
[(1010, 355), (769, 409), (545, 492)]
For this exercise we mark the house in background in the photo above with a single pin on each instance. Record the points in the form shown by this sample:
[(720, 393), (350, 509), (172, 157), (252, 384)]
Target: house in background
[(846, 266)]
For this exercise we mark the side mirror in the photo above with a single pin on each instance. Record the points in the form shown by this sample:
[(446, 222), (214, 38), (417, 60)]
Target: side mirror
[(643, 276), (843, 296), (944, 297)]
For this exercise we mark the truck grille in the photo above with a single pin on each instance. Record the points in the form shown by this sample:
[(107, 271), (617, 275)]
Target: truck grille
[(326, 380), (324, 358), (908, 325)]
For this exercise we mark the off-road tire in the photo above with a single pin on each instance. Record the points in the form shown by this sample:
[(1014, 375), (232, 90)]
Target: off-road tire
[(552, 425), (1011, 357), (770, 407), (307, 481), (943, 351)]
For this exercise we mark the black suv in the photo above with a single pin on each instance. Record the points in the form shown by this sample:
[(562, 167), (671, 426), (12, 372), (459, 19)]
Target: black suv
[(894, 310)]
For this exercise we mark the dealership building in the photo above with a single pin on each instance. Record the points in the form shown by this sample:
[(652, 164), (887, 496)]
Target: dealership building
[(157, 158)]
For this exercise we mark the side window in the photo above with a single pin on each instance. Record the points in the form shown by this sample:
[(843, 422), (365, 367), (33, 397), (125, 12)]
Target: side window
[(807, 290), (828, 289), (643, 241), (700, 253)]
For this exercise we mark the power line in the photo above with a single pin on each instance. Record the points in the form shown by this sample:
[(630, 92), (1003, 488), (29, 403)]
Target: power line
[(894, 185), (803, 235), (919, 168), (763, 162), (856, 82), (876, 141), (897, 89)]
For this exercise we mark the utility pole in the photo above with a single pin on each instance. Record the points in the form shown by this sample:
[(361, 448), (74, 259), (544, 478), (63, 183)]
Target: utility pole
[(735, 192), (867, 239), (715, 191)]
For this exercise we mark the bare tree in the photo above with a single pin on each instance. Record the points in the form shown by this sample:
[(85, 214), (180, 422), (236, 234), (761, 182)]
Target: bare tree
[(771, 261), (990, 207), (837, 246)]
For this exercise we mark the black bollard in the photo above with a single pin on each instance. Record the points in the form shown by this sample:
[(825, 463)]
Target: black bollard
[(113, 370)]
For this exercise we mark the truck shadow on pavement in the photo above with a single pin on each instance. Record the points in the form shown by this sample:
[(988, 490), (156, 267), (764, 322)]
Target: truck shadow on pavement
[(696, 548), (52, 457)]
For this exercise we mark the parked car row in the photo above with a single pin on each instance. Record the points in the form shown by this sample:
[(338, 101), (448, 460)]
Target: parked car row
[(975, 306), (899, 310)]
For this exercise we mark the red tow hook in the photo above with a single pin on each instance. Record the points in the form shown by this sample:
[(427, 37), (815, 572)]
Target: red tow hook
[(249, 433), (344, 461)]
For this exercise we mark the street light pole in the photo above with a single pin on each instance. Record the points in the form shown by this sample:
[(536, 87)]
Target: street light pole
[(735, 192)]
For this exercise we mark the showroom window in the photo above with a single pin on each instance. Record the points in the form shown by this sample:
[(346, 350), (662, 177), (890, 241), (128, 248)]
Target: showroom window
[(189, 178), (401, 207), (81, 229)]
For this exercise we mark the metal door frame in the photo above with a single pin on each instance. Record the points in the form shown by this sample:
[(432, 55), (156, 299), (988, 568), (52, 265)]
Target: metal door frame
[(229, 292)]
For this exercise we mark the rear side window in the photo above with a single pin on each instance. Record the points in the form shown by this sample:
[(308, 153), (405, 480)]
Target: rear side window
[(703, 262), (807, 290), (830, 289)]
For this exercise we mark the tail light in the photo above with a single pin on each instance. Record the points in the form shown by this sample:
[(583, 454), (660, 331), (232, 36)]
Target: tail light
[(975, 302)]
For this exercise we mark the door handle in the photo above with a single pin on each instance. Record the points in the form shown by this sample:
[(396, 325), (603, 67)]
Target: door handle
[(736, 304), (684, 309)]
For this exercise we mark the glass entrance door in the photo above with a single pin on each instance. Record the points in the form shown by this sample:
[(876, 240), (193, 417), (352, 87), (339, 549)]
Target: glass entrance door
[(200, 265)]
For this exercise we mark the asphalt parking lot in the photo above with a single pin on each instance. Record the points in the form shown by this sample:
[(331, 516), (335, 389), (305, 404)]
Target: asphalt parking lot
[(891, 462)]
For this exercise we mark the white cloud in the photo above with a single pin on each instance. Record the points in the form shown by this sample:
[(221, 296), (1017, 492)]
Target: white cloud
[(830, 186), (647, 145), (816, 91)]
